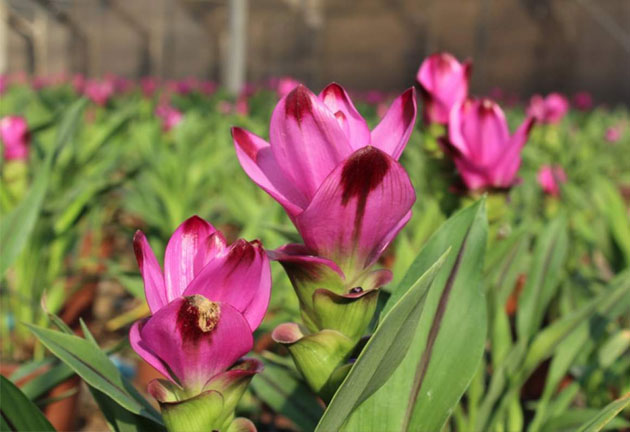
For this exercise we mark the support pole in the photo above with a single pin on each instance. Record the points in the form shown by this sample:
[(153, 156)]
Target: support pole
[(235, 58), (4, 36)]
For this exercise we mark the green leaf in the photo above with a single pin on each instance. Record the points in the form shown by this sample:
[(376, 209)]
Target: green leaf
[(91, 364), (542, 281), (448, 341), (382, 354), (606, 415), (18, 412), (286, 394), (17, 225)]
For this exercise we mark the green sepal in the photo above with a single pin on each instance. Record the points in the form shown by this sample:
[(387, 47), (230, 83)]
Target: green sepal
[(199, 413), (349, 314), (317, 356)]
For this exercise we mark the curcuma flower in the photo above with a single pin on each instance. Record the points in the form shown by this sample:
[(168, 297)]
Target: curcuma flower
[(444, 83), (169, 115), (343, 188), (15, 137), (550, 178), (550, 109), (205, 306), (479, 141)]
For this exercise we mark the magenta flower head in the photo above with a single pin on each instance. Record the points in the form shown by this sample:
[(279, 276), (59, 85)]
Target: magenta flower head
[(285, 85), (148, 86), (479, 141), (4, 83), (613, 133), (343, 188), (550, 109), (550, 178), (15, 138), (169, 115), (444, 83), (339, 182), (99, 92), (78, 83), (204, 306), (583, 101)]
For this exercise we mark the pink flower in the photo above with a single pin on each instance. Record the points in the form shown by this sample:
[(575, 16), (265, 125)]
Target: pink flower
[(550, 178), (613, 134), (583, 101), (169, 115), (285, 85), (339, 182), (99, 92), (15, 137), (40, 82), (550, 109), (444, 83), (205, 305), (207, 87), (148, 85), (484, 152), (4, 83), (78, 83)]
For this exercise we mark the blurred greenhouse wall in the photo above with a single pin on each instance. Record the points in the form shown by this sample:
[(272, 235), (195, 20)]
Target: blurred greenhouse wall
[(520, 46)]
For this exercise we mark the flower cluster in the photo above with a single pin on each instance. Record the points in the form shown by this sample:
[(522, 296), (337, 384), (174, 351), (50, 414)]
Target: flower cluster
[(478, 140)]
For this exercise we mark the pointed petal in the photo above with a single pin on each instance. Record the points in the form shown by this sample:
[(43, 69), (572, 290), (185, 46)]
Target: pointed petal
[(306, 140), (259, 163), (393, 132), (508, 162), (190, 248), (138, 345), (338, 101), (154, 288), (240, 277), (197, 339), (358, 209)]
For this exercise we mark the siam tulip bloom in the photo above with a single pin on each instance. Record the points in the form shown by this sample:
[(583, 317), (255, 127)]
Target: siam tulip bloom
[(205, 306), (285, 85), (550, 177), (322, 157), (343, 188), (148, 85), (479, 141), (15, 138), (169, 115), (583, 101), (78, 83), (99, 92), (613, 134), (40, 82), (207, 87), (550, 109), (4, 83), (444, 83)]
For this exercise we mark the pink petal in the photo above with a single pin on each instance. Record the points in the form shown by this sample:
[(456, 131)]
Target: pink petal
[(358, 209), (259, 163), (138, 345), (240, 277), (196, 339), (193, 244), (306, 140), (154, 289), (393, 132), (507, 164), (338, 101)]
